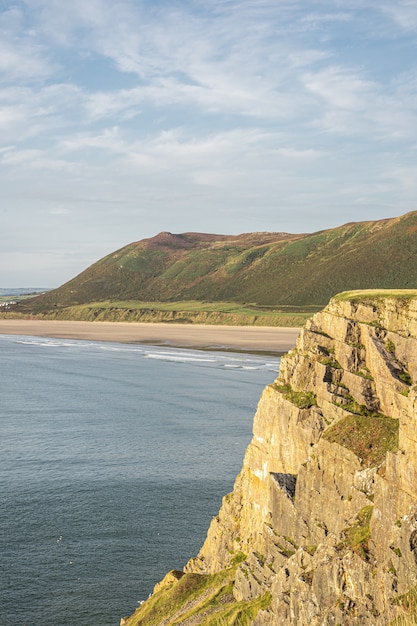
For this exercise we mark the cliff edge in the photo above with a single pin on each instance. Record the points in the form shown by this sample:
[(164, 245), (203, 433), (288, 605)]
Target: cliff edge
[(321, 526)]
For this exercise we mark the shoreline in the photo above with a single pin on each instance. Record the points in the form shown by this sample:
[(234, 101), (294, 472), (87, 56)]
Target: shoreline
[(257, 339)]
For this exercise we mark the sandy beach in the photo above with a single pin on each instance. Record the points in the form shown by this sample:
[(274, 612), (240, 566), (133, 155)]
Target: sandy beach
[(260, 339)]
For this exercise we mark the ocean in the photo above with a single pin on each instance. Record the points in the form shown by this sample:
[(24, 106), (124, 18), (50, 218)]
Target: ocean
[(113, 460)]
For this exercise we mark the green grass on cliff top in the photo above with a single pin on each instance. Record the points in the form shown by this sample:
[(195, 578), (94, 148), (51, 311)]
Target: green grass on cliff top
[(361, 295)]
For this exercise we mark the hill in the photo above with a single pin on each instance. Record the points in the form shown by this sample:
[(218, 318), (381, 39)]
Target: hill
[(263, 269)]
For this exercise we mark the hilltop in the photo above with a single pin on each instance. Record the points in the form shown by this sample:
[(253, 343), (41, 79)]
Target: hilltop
[(261, 270)]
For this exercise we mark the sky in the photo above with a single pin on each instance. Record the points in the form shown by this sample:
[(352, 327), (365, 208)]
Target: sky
[(121, 119)]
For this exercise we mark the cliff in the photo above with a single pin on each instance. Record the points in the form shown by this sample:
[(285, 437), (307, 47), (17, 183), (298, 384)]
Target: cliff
[(321, 527)]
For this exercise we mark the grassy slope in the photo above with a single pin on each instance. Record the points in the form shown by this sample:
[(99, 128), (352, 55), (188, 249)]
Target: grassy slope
[(264, 269), (183, 312), (200, 600)]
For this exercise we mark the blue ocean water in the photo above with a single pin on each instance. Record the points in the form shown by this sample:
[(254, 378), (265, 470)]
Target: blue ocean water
[(113, 459)]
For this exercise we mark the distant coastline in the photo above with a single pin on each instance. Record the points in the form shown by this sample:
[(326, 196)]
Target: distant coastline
[(260, 339)]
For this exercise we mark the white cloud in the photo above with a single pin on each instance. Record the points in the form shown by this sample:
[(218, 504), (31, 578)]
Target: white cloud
[(59, 210), (22, 56), (215, 157), (20, 157), (15, 159), (28, 112), (402, 12), (353, 105), (186, 57), (226, 115), (22, 60), (339, 89)]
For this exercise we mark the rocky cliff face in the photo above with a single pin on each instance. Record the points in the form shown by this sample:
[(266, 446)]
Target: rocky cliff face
[(323, 515)]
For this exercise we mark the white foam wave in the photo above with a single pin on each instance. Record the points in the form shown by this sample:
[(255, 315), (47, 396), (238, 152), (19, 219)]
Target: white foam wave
[(47, 343), (206, 358), (179, 358)]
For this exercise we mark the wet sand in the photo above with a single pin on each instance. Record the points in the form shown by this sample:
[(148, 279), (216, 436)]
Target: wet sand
[(261, 339)]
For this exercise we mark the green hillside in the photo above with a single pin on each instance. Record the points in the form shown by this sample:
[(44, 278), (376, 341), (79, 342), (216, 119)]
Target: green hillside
[(266, 270)]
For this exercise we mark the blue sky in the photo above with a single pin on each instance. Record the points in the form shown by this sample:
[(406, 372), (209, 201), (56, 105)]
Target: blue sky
[(122, 119)]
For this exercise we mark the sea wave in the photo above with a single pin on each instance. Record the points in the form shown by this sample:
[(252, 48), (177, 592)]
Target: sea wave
[(207, 358)]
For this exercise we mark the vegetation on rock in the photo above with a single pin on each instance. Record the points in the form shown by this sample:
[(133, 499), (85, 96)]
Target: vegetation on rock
[(408, 602), (204, 600), (357, 536), (370, 437), (301, 399)]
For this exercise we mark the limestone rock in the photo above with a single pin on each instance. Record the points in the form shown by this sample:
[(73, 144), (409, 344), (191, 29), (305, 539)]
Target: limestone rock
[(324, 509)]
